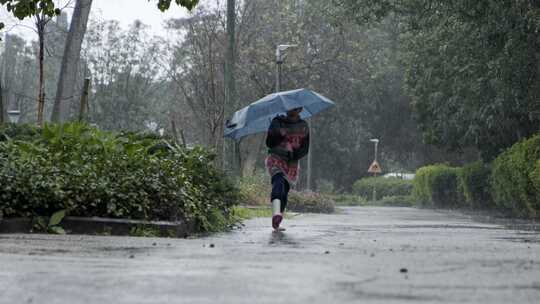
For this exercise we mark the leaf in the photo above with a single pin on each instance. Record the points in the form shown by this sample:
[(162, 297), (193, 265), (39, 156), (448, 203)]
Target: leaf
[(57, 217), (39, 225), (56, 230)]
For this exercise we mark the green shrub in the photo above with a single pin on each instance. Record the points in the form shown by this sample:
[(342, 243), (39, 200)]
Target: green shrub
[(89, 172), (246, 213), (535, 177), (349, 200), (325, 186), (20, 132), (311, 202), (396, 201), (513, 178), (255, 190), (436, 186), (474, 184), (384, 187)]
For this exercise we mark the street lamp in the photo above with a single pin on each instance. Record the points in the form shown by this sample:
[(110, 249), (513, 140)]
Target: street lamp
[(376, 142), (14, 116), (280, 58), (151, 125)]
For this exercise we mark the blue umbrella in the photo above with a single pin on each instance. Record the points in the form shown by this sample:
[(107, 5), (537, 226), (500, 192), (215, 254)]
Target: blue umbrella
[(256, 117)]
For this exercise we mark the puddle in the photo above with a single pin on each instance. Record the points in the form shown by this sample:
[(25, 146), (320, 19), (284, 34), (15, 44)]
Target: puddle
[(533, 287), (281, 238), (43, 251), (118, 249), (355, 289), (478, 227), (523, 227), (521, 239)]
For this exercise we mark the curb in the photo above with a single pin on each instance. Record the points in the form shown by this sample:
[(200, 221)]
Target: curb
[(104, 226)]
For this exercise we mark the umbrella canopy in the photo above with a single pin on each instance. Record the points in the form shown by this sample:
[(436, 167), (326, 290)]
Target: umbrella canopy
[(256, 117)]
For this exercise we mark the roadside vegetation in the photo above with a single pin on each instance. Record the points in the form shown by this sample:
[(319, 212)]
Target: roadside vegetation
[(382, 189), (509, 184), (89, 172), (449, 87), (249, 212), (255, 191)]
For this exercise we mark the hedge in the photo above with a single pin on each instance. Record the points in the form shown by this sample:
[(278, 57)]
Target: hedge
[(437, 186), (311, 202), (396, 201), (535, 177), (384, 187), (474, 185), (255, 190), (89, 172), (514, 180)]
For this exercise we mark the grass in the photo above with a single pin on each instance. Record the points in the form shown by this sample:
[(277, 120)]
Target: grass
[(142, 231), (349, 200), (395, 201), (246, 213)]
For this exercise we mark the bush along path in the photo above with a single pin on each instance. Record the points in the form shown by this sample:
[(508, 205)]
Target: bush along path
[(255, 191), (510, 185), (88, 172)]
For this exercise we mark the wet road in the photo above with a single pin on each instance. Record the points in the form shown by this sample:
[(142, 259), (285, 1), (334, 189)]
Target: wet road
[(360, 255)]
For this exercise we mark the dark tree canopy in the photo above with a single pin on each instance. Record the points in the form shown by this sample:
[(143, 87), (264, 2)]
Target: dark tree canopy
[(26, 8), (164, 5), (471, 67)]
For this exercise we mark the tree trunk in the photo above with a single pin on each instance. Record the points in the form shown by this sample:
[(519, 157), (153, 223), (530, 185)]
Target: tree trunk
[(70, 61), (231, 149), (1, 103), (41, 22), (8, 75), (252, 147)]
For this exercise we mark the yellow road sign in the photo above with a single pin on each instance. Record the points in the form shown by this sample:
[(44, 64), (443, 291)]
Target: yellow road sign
[(375, 168)]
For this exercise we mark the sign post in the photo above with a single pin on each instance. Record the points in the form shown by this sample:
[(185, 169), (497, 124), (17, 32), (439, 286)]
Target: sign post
[(375, 167)]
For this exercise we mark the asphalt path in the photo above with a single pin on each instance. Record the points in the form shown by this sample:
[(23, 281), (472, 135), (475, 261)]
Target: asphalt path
[(358, 255)]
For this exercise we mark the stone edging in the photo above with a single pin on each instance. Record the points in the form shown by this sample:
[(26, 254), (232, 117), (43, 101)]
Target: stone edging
[(102, 226)]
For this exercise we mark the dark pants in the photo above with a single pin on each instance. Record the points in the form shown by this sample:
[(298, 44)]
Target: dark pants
[(280, 189)]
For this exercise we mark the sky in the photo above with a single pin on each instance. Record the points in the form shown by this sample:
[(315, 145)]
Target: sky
[(125, 11)]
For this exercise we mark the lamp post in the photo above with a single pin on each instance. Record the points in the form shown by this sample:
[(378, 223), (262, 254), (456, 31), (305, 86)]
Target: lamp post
[(14, 116), (280, 58), (151, 125), (376, 142)]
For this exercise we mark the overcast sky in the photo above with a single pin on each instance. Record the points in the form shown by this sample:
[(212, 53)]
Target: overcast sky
[(125, 11)]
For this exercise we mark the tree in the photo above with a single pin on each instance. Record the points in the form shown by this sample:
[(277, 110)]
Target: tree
[(43, 11), (231, 148), (128, 89), (41, 20), (196, 69), (164, 5), (70, 61), (26, 8), (472, 68), (9, 68), (1, 102), (473, 74)]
